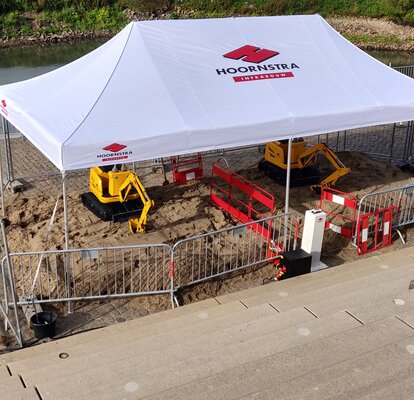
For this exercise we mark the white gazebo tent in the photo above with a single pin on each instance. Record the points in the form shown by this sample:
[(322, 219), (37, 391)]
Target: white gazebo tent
[(162, 88)]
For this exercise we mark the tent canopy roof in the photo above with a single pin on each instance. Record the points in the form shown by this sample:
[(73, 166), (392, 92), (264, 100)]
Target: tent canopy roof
[(161, 88)]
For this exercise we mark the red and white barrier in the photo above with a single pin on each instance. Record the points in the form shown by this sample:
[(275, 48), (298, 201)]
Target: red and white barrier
[(349, 203), (374, 230), (187, 169)]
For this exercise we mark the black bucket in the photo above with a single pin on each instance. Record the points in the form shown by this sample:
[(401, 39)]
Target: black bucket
[(43, 324)]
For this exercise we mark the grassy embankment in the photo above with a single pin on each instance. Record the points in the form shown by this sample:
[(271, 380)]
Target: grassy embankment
[(42, 19)]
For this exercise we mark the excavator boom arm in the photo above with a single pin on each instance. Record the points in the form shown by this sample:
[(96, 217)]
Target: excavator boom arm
[(132, 181), (308, 156)]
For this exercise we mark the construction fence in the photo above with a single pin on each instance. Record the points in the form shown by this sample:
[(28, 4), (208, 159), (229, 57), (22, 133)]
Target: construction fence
[(368, 221), (124, 271)]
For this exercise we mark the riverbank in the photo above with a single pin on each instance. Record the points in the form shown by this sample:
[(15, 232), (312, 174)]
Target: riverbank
[(366, 33)]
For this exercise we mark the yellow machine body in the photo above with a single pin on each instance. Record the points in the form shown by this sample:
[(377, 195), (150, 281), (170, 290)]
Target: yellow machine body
[(276, 153), (112, 187), (106, 185), (301, 157)]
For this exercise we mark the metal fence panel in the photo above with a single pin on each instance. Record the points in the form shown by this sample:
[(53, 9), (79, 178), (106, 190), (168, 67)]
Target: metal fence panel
[(401, 198), (92, 273), (8, 304), (217, 253), (406, 70), (390, 142)]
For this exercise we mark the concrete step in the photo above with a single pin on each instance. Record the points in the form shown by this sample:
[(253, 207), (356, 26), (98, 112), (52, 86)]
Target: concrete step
[(364, 266), (347, 380), (406, 251), (4, 374), (315, 293), (369, 303), (300, 283), (141, 327), (167, 347), (10, 384), (286, 366), (12, 388), (185, 364), (405, 315), (323, 279), (24, 394), (401, 388)]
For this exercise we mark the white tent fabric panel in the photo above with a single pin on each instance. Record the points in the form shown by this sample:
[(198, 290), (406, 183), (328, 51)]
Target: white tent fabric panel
[(162, 88)]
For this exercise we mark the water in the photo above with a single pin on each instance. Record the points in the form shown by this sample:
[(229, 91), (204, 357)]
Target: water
[(396, 59), (17, 64)]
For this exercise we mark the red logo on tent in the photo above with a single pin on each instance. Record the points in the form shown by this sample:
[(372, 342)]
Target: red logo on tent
[(3, 107), (251, 54), (114, 147)]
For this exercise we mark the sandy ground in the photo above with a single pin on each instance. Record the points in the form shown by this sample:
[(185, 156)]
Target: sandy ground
[(182, 212)]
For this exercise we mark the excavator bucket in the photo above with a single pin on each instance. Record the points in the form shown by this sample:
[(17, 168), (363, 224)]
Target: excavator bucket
[(317, 189), (135, 226)]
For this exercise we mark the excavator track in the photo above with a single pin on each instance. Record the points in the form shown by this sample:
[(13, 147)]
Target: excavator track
[(298, 177), (101, 210), (116, 212)]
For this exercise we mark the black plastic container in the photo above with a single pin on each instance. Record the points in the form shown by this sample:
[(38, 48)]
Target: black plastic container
[(44, 324), (297, 262)]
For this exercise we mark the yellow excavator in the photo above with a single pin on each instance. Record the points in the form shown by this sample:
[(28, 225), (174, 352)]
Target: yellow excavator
[(303, 171), (118, 195)]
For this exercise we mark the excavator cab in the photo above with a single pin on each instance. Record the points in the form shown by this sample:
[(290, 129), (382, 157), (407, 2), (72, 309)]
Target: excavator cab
[(277, 152), (117, 195)]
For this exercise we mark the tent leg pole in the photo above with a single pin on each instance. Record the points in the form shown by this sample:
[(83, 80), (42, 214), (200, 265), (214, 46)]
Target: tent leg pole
[(8, 153), (289, 156), (68, 277), (289, 161), (65, 211), (3, 210)]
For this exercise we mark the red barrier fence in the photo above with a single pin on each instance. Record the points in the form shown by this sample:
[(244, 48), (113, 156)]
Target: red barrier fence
[(187, 168), (340, 209), (242, 199), (374, 230)]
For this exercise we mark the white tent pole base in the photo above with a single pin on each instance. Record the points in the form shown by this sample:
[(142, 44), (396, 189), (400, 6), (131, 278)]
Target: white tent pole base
[(66, 230)]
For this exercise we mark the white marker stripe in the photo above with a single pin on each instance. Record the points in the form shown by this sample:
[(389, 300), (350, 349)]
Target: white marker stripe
[(365, 235), (386, 228), (338, 199), (335, 228)]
